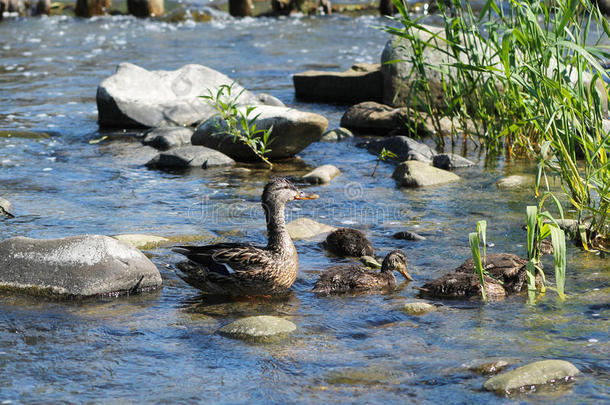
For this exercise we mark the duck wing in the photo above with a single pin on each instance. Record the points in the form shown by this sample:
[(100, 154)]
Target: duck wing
[(227, 258)]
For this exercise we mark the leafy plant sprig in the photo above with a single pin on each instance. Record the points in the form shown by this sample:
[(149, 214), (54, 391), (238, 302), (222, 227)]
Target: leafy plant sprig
[(240, 125), (382, 157)]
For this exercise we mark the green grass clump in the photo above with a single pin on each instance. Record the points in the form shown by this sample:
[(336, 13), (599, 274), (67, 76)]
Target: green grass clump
[(524, 78)]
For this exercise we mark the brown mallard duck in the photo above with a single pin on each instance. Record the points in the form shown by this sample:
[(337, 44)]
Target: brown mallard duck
[(349, 242), (359, 278), (236, 269)]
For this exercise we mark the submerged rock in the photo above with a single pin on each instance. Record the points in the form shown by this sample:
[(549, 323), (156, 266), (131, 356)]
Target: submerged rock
[(168, 138), (450, 161), (337, 134), (141, 241), (489, 367), (293, 131), (417, 174), (515, 181), (136, 97), (190, 156), (537, 373), (305, 228), (322, 174), (418, 308), (361, 82), (77, 266), (6, 208), (261, 328), (403, 147), (408, 235)]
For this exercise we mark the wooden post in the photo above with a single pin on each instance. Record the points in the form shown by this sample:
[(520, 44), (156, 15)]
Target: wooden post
[(90, 8), (145, 8), (240, 8)]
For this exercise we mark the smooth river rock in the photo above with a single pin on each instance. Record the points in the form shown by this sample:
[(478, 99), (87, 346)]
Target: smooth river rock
[(337, 134), (165, 138), (417, 174), (418, 308), (77, 266), (515, 181), (6, 208), (450, 161), (361, 82), (537, 373), (258, 328), (305, 228), (190, 156), (293, 131), (403, 147), (141, 241), (374, 118), (322, 174), (136, 97), (408, 235)]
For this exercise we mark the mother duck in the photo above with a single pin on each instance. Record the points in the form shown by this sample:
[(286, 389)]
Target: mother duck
[(237, 269)]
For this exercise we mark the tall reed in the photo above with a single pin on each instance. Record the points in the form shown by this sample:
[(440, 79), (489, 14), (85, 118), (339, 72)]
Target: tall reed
[(524, 77)]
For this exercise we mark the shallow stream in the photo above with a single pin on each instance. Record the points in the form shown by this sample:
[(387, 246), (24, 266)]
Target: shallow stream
[(162, 346)]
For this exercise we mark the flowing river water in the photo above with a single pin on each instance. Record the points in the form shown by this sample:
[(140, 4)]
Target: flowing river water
[(162, 346)]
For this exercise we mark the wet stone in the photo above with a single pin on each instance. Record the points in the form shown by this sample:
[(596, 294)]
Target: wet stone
[(490, 367), (417, 174), (403, 147), (141, 241), (418, 308), (190, 156), (322, 174), (305, 228), (167, 138), (450, 161), (408, 235), (261, 328), (6, 208), (515, 181), (81, 266), (537, 373), (337, 134)]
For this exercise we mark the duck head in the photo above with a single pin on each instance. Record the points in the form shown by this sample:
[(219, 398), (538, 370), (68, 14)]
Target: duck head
[(396, 260), (281, 191)]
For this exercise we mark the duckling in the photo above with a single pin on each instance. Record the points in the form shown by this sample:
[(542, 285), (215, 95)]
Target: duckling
[(508, 276), (237, 269), (349, 242), (359, 278)]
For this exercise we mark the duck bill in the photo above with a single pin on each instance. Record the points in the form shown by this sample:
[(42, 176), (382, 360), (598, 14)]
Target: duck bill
[(306, 196), (406, 275)]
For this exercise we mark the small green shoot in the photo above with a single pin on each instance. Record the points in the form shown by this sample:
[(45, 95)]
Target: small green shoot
[(475, 239), (240, 125), (382, 157)]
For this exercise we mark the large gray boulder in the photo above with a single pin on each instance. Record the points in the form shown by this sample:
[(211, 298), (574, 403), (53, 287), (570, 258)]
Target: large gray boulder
[(537, 373), (417, 174), (404, 147), (293, 131), (136, 97), (361, 82), (190, 156), (77, 266)]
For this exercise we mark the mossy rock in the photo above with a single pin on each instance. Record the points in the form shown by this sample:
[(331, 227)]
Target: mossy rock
[(262, 328), (537, 373)]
